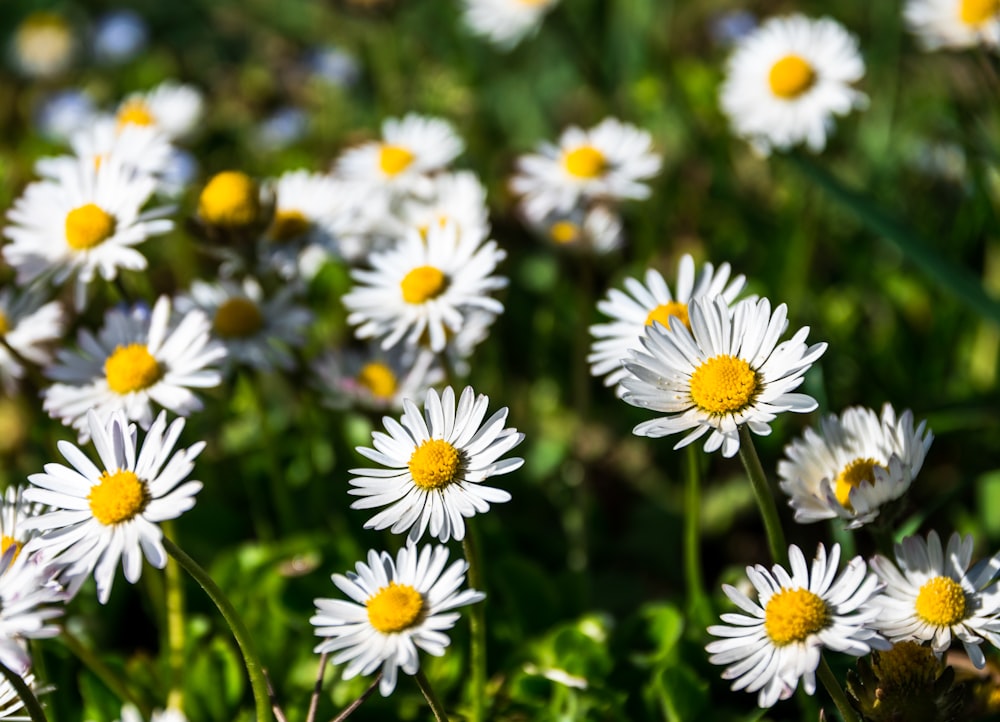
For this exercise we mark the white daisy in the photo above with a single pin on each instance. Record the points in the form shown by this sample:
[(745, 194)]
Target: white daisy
[(933, 595), (596, 229), (14, 511), (459, 347), (10, 702), (397, 607), (782, 635), (172, 107), (30, 598), (457, 198), (647, 303), (787, 79), (43, 45), (28, 327), (856, 463), (376, 379), (84, 222), (138, 358), (106, 513), (257, 331), (436, 464), (610, 161), (728, 370), (424, 287), (131, 714), (505, 22), (954, 23)]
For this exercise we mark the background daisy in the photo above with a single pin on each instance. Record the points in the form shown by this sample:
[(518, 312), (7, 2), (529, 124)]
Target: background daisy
[(953, 23), (505, 22)]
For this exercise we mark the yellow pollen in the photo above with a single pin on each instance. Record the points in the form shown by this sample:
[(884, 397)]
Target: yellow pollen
[(131, 368), (564, 232), (792, 615), (118, 497), (4, 323), (88, 226), (907, 666), (977, 12), (379, 379), (664, 311), (791, 76), (585, 162), (394, 159), (230, 199), (134, 112), (237, 318), (941, 602), (422, 284), (395, 608), (287, 226), (6, 542), (434, 464), (724, 385), (852, 475)]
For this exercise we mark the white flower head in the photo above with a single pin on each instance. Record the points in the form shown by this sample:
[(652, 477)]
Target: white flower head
[(857, 463), (398, 606), (728, 370), (596, 229), (457, 198), (171, 107), (787, 79), (932, 595), (132, 714), (642, 304), (954, 23), (28, 327), (15, 510), (104, 514), (435, 465), (505, 22), (779, 638), (30, 598), (376, 379), (11, 706)]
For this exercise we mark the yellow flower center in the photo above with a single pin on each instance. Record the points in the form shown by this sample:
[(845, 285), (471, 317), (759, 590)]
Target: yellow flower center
[(88, 226), (852, 475), (379, 379), (977, 12), (230, 199), (664, 311), (6, 542), (724, 385), (564, 232), (941, 602), (394, 159), (907, 666), (287, 226), (434, 464), (131, 368), (237, 318), (585, 162), (791, 76), (395, 608), (423, 283), (134, 112), (118, 497), (793, 614), (4, 323)]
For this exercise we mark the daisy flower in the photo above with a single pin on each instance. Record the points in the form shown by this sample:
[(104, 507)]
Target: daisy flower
[(397, 607), (728, 370), (422, 288), (43, 45), (787, 79), (953, 23), (436, 463), (28, 326), (505, 22), (171, 107), (138, 358), (131, 714), (608, 162), (457, 198), (376, 379), (933, 595), (106, 513), (256, 331), (780, 638), (10, 702), (857, 463), (597, 229), (643, 304), (86, 221), (15, 510), (30, 598)]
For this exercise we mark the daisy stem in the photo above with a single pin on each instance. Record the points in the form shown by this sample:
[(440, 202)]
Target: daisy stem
[(174, 597), (318, 687), (255, 670), (834, 689), (432, 700), (477, 627), (764, 496), (102, 671), (27, 697), (349, 709), (697, 599)]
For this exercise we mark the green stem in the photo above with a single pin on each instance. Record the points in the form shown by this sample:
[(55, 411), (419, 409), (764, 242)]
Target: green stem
[(697, 598), (349, 709), (432, 700), (255, 669), (28, 698), (764, 496), (834, 689), (174, 597), (477, 628), (102, 671)]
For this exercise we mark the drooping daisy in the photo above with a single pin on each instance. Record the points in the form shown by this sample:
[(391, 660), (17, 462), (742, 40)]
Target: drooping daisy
[(857, 463), (647, 303), (28, 327), (106, 513), (954, 23), (505, 22), (137, 359), (728, 370), (398, 606), (172, 107), (422, 288), (86, 221), (610, 161), (933, 595), (436, 463), (30, 598), (787, 79), (780, 638), (376, 379), (596, 229)]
